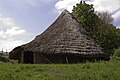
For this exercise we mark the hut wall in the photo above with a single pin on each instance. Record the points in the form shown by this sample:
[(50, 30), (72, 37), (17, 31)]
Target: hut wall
[(26, 57), (57, 58), (47, 58), (39, 58), (53, 58), (66, 58)]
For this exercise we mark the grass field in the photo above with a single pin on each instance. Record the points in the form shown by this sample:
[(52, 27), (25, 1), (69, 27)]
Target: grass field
[(85, 71)]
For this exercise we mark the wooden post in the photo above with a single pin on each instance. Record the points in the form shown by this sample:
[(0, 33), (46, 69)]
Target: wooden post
[(60, 59), (67, 59), (34, 58), (22, 57)]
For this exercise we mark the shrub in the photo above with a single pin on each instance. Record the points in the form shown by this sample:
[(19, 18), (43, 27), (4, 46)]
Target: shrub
[(14, 61), (116, 55), (117, 52)]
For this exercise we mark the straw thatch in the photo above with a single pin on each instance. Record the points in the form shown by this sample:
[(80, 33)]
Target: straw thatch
[(65, 41)]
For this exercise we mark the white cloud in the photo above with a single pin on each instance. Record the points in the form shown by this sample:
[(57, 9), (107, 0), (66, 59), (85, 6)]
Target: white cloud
[(65, 4), (106, 5), (118, 27), (112, 6), (6, 22), (11, 35), (27, 3), (22, 3), (99, 5), (116, 15), (9, 45)]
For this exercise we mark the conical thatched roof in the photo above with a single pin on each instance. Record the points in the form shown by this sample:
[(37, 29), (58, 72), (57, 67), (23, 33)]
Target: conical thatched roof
[(64, 36)]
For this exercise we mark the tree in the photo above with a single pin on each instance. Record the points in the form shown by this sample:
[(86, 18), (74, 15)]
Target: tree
[(98, 25), (117, 52), (106, 17), (107, 37), (85, 15)]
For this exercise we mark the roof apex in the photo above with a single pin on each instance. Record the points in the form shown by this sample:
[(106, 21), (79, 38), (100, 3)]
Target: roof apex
[(65, 12)]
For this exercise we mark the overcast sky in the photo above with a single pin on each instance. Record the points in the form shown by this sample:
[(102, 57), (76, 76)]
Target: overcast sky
[(22, 20)]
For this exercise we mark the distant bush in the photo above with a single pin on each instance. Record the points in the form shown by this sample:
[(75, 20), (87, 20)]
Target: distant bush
[(14, 61), (116, 54)]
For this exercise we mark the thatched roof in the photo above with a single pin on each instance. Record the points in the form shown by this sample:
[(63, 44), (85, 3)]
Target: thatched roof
[(16, 53), (65, 35)]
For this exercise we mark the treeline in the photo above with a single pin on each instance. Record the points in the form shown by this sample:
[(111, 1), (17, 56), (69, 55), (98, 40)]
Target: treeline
[(99, 25)]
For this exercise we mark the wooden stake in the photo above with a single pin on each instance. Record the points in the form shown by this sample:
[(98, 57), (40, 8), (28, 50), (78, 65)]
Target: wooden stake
[(67, 59)]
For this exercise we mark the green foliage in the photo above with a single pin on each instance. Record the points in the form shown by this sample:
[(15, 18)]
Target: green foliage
[(87, 71), (98, 25), (85, 14), (14, 61), (107, 36), (106, 17), (117, 52)]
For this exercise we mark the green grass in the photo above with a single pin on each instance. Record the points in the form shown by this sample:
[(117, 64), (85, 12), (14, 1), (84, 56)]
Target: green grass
[(86, 71)]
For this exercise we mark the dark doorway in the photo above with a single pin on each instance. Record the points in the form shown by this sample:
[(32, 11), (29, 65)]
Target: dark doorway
[(28, 57)]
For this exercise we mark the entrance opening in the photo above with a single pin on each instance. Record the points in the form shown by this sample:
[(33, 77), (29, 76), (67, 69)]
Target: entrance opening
[(28, 57)]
